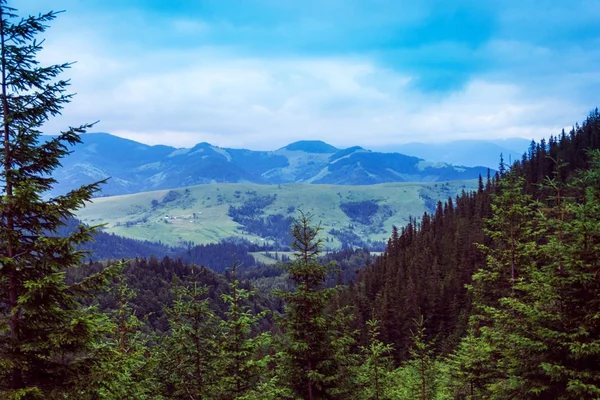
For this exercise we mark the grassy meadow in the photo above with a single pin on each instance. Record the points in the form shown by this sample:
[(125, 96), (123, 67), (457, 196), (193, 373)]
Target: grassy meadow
[(200, 213)]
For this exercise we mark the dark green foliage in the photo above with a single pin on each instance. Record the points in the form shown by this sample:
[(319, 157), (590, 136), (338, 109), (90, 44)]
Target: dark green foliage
[(252, 207), (108, 246), (492, 295), (47, 337), (242, 361), (151, 281), (316, 352), (171, 196), (348, 264), (541, 291), (350, 240), (189, 353), (275, 227), (217, 256), (360, 211), (126, 371)]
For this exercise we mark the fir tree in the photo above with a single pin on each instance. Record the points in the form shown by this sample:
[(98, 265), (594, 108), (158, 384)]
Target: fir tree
[(317, 342), (188, 355), (374, 371), (126, 372), (544, 332), (242, 363), (47, 337)]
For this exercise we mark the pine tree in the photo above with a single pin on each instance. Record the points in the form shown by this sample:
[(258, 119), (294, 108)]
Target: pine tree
[(242, 362), (374, 371), (126, 372), (544, 333), (188, 355), (316, 348), (47, 338)]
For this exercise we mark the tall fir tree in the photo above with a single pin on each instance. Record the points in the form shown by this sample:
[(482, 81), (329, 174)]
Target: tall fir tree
[(316, 352), (47, 338)]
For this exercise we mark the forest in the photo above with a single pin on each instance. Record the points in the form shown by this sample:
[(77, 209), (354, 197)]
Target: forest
[(495, 294)]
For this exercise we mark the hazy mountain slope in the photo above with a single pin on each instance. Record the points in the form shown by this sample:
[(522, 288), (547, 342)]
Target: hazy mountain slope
[(469, 153), (101, 156), (134, 167)]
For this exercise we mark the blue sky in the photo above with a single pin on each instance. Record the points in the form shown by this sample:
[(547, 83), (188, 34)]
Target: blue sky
[(263, 73)]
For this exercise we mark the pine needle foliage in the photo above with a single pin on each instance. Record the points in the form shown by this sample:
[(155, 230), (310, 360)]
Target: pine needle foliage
[(317, 341), (47, 337), (242, 359)]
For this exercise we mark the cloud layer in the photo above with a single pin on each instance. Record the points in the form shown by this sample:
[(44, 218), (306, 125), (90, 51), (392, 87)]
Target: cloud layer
[(263, 73)]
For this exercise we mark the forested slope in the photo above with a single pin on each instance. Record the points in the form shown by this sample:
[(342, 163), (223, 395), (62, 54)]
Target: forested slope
[(427, 265)]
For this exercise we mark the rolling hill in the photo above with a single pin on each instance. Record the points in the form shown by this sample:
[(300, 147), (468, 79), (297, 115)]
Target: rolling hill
[(349, 215)]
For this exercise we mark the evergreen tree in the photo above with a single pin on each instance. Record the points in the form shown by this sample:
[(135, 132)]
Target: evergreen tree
[(127, 370), (422, 365), (544, 331), (569, 285), (188, 355), (512, 257), (242, 363), (317, 343), (374, 371), (472, 367), (420, 375), (47, 338)]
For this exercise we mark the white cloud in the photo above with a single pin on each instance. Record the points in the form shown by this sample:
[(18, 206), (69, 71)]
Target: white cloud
[(185, 97)]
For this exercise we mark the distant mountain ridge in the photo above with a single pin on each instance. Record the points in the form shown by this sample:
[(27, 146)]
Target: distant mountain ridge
[(469, 153), (135, 167)]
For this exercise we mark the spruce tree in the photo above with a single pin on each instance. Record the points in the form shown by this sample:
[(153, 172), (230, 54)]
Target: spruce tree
[(127, 370), (317, 343), (472, 367), (422, 363), (544, 332), (242, 362), (189, 354), (47, 338), (374, 372)]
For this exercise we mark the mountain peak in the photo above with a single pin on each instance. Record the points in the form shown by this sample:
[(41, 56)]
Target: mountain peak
[(311, 146)]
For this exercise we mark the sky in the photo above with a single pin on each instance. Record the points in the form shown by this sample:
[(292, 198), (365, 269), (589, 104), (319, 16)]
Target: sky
[(260, 74)]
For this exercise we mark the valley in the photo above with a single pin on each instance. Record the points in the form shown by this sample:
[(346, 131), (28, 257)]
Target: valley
[(351, 216)]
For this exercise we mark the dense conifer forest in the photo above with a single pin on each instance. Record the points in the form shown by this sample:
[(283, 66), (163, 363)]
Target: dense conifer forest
[(494, 295)]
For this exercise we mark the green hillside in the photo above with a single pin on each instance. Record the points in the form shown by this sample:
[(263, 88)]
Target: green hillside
[(200, 213)]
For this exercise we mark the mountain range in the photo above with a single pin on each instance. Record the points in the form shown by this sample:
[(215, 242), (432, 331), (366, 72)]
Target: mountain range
[(135, 167), (469, 153)]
